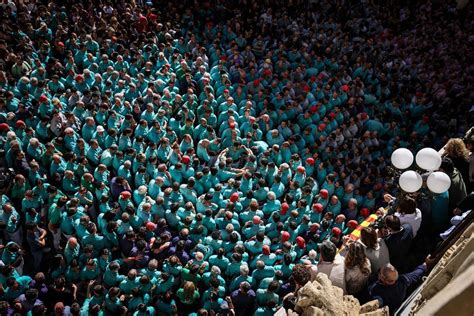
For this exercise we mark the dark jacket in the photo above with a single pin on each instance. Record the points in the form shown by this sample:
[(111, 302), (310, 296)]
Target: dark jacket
[(399, 246), (394, 295)]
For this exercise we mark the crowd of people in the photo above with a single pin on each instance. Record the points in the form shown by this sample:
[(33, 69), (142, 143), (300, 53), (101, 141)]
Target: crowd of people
[(211, 157)]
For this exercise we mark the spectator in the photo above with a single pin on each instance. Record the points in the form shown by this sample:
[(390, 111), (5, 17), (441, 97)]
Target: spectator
[(332, 264), (399, 239)]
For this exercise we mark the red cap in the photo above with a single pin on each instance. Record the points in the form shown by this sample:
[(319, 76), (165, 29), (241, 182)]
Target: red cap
[(150, 226), (306, 89), (285, 236), (318, 207), (322, 127), (79, 77), (324, 193), (232, 125), (4, 127), (363, 116), (310, 161), (43, 98), (336, 231), (345, 88), (226, 90), (313, 78), (256, 220), (126, 195), (313, 109), (20, 123), (332, 115), (284, 208), (365, 212), (234, 197), (256, 82), (266, 250), (60, 44), (267, 72), (352, 224), (300, 169), (300, 242), (186, 159)]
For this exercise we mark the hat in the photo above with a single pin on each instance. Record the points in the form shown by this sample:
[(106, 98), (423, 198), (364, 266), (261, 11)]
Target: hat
[(318, 207), (300, 169), (100, 129), (324, 193), (284, 208), (232, 125), (256, 220), (20, 123), (345, 88), (4, 127), (43, 98), (322, 127), (352, 224), (79, 77), (150, 226), (364, 115), (332, 115), (60, 44), (313, 109), (234, 197), (125, 195), (336, 231), (365, 212), (266, 250), (300, 242), (310, 161), (226, 90), (256, 82), (285, 236), (186, 159)]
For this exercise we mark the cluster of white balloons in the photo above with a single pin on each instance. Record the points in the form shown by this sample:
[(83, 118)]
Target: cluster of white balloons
[(428, 159)]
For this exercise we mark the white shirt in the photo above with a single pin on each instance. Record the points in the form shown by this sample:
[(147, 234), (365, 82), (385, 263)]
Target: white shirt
[(413, 219), (335, 271)]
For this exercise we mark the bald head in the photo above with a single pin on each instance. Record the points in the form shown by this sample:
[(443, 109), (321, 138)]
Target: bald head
[(388, 274)]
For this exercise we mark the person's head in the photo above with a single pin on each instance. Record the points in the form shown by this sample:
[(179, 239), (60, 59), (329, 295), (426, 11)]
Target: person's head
[(388, 274), (368, 236), (301, 274), (327, 251), (355, 256), (456, 148), (189, 289), (407, 205), (244, 270), (447, 165), (393, 223)]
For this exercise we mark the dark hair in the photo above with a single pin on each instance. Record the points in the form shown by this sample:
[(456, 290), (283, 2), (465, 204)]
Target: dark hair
[(301, 274), (368, 236), (393, 222), (407, 205), (327, 250)]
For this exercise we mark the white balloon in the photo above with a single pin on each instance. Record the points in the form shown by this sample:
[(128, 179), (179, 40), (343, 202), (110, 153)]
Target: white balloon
[(410, 181), (428, 159), (402, 158), (438, 182)]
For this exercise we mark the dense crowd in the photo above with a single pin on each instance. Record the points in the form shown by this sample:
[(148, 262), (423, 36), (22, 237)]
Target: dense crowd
[(212, 157)]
